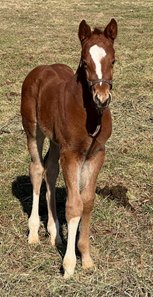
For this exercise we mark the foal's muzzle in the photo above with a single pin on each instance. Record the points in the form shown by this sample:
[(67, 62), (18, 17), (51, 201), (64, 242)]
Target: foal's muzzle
[(101, 105)]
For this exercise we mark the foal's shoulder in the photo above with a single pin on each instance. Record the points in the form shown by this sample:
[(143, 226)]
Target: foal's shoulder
[(61, 68)]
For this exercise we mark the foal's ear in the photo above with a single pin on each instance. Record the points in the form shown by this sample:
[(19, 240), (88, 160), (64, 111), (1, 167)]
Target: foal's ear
[(84, 31), (111, 30)]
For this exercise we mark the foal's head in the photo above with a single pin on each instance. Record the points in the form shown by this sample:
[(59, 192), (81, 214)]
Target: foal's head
[(97, 59)]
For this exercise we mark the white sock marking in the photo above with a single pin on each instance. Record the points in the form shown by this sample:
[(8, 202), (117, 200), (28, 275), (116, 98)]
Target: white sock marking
[(72, 229), (70, 257), (97, 54), (34, 220)]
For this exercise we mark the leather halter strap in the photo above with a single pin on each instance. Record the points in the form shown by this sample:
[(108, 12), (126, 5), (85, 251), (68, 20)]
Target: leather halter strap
[(91, 83)]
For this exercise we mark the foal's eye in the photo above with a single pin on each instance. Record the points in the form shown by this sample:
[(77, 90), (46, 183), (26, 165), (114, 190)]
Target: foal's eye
[(113, 62)]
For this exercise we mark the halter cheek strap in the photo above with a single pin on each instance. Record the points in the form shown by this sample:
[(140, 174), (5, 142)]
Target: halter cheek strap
[(91, 83)]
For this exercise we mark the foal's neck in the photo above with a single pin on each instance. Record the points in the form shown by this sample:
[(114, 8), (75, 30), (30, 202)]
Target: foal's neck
[(82, 84), (93, 115)]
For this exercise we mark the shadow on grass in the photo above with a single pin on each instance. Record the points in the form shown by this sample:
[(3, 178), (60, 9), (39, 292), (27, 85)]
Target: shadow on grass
[(22, 190), (118, 194)]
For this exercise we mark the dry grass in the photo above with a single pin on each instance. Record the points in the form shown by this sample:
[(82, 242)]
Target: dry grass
[(37, 32)]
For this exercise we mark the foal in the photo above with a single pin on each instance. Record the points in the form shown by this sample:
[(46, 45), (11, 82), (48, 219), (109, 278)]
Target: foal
[(72, 110)]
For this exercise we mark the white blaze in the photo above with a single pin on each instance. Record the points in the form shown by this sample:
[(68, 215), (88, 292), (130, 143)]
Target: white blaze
[(97, 54)]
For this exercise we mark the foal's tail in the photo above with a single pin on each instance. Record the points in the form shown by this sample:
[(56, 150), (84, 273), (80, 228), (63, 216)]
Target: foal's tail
[(29, 98)]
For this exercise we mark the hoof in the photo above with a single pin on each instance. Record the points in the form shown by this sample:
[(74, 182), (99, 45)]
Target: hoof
[(68, 272), (68, 275), (69, 267), (33, 239), (87, 263)]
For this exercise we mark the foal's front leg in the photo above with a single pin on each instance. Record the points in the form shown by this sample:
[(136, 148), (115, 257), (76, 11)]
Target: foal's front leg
[(89, 176), (74, 208)]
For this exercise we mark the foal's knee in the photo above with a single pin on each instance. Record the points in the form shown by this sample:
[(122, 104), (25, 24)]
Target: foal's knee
[(36, 172), (88, 203), (36, 168), (74, 208)]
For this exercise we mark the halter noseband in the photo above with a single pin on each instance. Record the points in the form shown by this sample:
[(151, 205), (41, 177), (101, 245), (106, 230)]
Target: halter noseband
[(91, 83)]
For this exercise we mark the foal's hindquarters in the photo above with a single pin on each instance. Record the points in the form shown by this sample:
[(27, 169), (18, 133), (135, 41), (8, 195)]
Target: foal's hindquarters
[(39, 169)]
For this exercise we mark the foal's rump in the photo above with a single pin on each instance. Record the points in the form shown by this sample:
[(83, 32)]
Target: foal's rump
[(40, 95)]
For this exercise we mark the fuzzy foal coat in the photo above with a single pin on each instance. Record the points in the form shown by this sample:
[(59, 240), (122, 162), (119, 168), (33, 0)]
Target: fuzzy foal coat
[(59, 105)]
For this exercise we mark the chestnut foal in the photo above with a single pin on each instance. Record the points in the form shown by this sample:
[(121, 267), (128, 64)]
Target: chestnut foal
[(72, 110)]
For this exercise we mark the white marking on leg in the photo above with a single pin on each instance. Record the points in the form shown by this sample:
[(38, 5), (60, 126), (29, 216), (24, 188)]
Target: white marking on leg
[(97, 54), (53, 229), (34, 220), (70, 256), (52, 225)]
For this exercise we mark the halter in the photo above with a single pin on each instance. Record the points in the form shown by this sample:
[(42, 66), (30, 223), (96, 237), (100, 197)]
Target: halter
[(91, 83), (106, 104), (109, 82)]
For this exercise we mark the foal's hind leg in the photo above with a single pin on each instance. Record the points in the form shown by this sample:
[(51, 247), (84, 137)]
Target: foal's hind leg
[(36, 173), (51, 173)]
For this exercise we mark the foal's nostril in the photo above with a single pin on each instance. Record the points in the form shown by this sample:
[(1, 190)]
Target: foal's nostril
[(103, 104), (97, 100)]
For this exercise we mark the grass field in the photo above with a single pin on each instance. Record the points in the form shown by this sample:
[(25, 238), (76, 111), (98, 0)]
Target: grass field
[(43, 32)]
